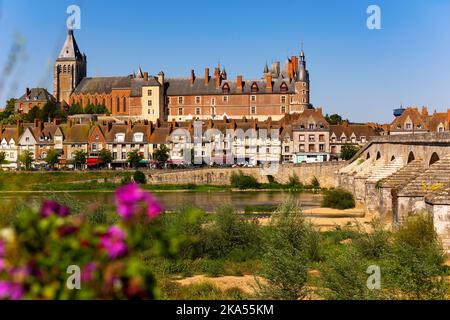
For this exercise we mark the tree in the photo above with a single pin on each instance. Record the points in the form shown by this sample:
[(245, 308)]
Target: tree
[(105, 156), (26, 159), (75, 109), (33, 114), (52, 158), (348, 151), (139, 177), (134, 158), (334, 119), (48, 112), (2, 157), (80, 158), (161, 154)]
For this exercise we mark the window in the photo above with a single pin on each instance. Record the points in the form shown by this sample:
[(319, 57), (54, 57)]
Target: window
[(419, 126), (311, 126), (213, 101), (124, 155), (286, 149), (441, 129), (301, 137), (363, 139), (124, 104), (301, 148), (197, 100), (225, 98), (114, 155), (118, 104), (283, 99), (253, 98), (94, 147), (321, 138), (120, 137), (226, 89), (311, 148), (180, 100), (213, 111), (149, 103), (253, 110), (149, 92), (283, 109), (312, 138), (321, 147), (283, 87), (180, 111), (254, 87), (27, 139), (138, 137), (408, 126), (197, 111)]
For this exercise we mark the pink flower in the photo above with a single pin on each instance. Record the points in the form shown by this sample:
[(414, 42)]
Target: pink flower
[(113, 241), (87, 274), (130, 197), (53, 207), (10, 290)]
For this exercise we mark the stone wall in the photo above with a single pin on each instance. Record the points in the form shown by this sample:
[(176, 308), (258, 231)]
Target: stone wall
[(325, 172)]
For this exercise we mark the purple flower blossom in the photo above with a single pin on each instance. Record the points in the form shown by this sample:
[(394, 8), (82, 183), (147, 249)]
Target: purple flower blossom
[(87, 274), (130, 197), (53, 207), (9, 290), (113, 241)]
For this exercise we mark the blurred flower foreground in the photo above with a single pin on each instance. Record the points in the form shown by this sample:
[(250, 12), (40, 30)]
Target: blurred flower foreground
[(37, 252)]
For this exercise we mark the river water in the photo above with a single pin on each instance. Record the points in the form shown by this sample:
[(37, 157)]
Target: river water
[(208, 201)]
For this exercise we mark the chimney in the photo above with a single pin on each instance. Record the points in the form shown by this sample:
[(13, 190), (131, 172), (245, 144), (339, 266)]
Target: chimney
[(218, 79), (27, 91), (424, 111), (206, 76), (192, 76), (161, 78), (146, 76), (239, 84), (269, 83), (216, 72), (110, 125), (130, 125)]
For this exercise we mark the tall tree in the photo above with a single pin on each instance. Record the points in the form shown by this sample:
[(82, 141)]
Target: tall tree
[(26, 159), (134, 158), (51, 158), (2, 157), (334, 119), (161, 154), (348, 151), (105, 156), (79, 158)]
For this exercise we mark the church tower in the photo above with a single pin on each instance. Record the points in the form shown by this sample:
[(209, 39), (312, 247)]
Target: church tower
[(302, 85), (70, 69)]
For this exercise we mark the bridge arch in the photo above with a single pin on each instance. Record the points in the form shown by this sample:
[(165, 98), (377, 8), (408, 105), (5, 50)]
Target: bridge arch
[(368, 156), (392, 158), (378, 155), (434, 158), (411, 157)]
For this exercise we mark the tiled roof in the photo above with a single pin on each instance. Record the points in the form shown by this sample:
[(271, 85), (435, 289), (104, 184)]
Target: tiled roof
[(348, 130), (8, 133), (184, 87), (36, 94), (416, 118), (439, 197), (107, 84)]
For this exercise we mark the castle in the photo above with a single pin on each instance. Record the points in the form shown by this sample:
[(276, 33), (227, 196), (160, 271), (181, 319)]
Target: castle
[(140, 96)]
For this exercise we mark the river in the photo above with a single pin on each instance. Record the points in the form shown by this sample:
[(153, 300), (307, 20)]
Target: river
[(207, 201)]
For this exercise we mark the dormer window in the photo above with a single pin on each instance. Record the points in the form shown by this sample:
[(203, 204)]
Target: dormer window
[(283, 87), (120, 137), (226, 89), (311, 126), (419, 126), (408, 126), (138, 137), (254, 87)]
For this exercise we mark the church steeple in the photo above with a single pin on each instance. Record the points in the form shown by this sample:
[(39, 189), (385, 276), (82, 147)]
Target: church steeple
[(70, 69)]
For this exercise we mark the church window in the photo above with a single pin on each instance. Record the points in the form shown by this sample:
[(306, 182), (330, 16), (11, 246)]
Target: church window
[(124, 104), (118, 104)]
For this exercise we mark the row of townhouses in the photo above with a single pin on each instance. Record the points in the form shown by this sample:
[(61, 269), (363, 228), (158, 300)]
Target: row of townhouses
[(296, 138)]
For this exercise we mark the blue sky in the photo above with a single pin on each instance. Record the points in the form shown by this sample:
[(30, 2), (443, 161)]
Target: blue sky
[(359, 73)]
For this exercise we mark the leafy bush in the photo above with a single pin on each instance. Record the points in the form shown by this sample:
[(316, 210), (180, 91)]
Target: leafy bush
[(242, 181), (139, 177), (37, 250), (344, 277), (338, 199), (416, 264), (315, 184), (375, 243), (228, 232), (289, 247), (294, 182)]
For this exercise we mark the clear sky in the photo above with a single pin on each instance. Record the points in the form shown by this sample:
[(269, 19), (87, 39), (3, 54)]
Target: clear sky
[(359, 73)]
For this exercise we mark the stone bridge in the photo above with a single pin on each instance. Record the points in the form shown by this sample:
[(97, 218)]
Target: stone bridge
[(396, 176)]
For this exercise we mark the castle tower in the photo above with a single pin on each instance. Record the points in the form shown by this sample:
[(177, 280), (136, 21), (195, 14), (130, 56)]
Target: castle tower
[(70, 69), (302, 85)]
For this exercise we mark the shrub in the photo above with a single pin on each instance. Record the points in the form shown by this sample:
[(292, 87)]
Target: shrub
[(294, 182), (315, 184), (375, 243), (242, 181), (125, 179), (139, 177), (229, 232), (271, 179), (288, 251), (338, 199), (415, 265), (344, 277)]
